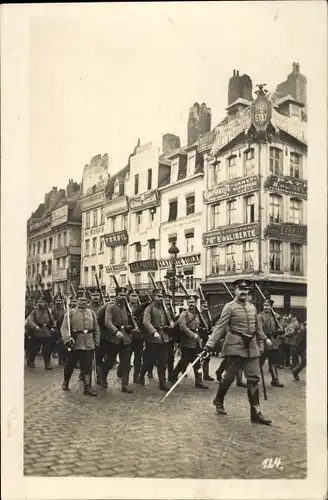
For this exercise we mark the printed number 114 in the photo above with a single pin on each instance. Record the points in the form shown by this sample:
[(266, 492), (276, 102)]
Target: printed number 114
[(272, 463)]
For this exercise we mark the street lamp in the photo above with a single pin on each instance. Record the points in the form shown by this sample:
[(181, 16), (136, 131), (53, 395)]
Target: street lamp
[(173, 251)]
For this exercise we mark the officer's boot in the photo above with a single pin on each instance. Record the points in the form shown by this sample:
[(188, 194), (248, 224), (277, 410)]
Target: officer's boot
[(30, 360), (88, 391), (199, 384), (103, 377), (176, 371), (219, 400), (206, 374), (161, 377), (67, 378), (47, 360), (119, 371), (254, 401), (240, 382), (125, 383), (220, 370), (142, 375), (274, 375), (98, 374)]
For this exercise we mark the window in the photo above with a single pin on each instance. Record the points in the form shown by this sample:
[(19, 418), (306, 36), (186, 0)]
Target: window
[(276, 161), (59, 241), (232, 211), (101, 244), (249, 162), (138, 251), (275, 255), (95, 218), (152, 215), (33, 270), (249, 209), (44, 246), (33, 248), (275, 209), (122, 279), (43, 268), (49, 267), (149, 178), (100, 272), (230, 258), (124, 253), (50, 244), (113, 224), (152, 249), (87, 220), (111, 282), (112, 255), (39, 247), (28, 272), (173, 210), (215, 216), (232, 167), (93, 277), (30, 250), (295, 165), (190, 241), (102, 216), (190, 204), (57, 263), (37, 268), (217, 173), (296, 258), (295, 211), (136, 184), (94, 246), (189, 279), (248, 256), (87, 248), (121, 189), (151, 275), (63, 263), (214, 260), (137, 279), (125, 222), (65, 239), (138, 221)]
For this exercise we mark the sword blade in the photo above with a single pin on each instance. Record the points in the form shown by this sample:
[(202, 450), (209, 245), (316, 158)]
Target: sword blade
[(180, 378)]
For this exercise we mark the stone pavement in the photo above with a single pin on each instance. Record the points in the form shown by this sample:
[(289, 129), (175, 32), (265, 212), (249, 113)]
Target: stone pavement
[(116, 434)]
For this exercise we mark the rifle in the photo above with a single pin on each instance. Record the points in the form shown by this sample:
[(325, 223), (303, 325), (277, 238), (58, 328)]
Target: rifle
[(165, 291), (47, 308), (261, 368), (167, 314), (132, 290), (276, 322), (202, 320), (202, 296), (128, 307), (100, 289), (73, 290)]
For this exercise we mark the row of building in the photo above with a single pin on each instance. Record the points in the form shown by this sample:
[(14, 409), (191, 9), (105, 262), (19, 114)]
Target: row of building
[(233, 200)]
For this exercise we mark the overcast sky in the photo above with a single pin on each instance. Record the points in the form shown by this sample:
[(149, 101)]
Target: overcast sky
[(100, 79)]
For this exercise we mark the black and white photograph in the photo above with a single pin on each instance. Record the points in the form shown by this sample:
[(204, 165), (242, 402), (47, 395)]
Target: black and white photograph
[(164, 247)]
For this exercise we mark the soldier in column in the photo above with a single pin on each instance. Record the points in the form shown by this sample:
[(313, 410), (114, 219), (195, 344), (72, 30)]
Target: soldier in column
[(100, 351), (82, 336), (155, 325), (204, 310), (137, 338), (41, 329), (271, 354), (28, 309), (190, 343), (243, 344), (58, 315), (301, 350), (95, 301), (117, 339)]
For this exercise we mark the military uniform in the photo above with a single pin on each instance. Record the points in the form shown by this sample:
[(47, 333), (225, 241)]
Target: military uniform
[(82, 338), (268, 325), (155, 325), (58, 315), (40, 327), (204, 336), (100, 351), (117, 341), (301, 350), (291, 338), (243, 340), (136, 346), (28, 309)]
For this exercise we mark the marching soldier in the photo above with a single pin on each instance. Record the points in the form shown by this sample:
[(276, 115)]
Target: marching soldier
[(95, 301), (271, 354), (243, 341), (190, 343), (40, 326), (137, 340), (100, 351), (204, 310), (58, 315), (301, 350), (82, 337), (117, 339), (155, 325), (28, 309)]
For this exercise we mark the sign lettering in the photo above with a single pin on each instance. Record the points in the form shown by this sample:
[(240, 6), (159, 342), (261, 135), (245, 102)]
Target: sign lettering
[(230, 189), (193, 259), (143, 265), (95, 200), (59, 216), (284, 185), (230, 235), (116, 206), (93, 231), (144, 200), (296, 233), (35, 226), (116, 268), (116, 239)]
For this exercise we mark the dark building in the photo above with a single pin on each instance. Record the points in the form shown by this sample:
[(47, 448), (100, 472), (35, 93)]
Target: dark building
[(170, 142), (239, 86), (295, 85), (199, 122)]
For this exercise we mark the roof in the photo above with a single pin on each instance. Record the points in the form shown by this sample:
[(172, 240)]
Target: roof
[(288, 98), (240, 100)]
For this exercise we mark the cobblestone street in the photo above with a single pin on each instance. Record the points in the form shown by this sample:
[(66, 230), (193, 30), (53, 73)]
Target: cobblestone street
[(119, 434)]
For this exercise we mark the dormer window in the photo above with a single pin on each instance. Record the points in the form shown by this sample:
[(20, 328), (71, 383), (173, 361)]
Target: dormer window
[(191, 163)]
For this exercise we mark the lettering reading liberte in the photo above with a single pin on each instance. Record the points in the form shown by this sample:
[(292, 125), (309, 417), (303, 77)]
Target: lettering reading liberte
[(227, 238)]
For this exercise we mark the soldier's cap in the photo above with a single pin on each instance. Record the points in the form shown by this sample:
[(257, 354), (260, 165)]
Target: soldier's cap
[(134, 292), (121, 289), (156, 292), (269, 301), (143, 297), (242, 283), (57, 298), (203, 302), (193, 296)]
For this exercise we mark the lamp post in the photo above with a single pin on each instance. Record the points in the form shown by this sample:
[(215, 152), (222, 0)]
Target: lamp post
[(173, 251)]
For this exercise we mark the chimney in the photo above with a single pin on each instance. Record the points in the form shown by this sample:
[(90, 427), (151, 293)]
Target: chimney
[(170, 142), (71, 188), (297, 68), (199, 122)]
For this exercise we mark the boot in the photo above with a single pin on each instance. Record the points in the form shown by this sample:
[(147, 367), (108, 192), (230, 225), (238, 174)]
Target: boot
[(125, 384), (65, 385), (199, 384), (88, 391), (206, 374), (48, 366), (103, 378), (219, 401), (295, 375), (275, 380), (161, 377), (220, 370), (240, 382), (47, 362), (118, 372), (98, 373), (30, 364), (142, 380), (254, 401), (136, 378)]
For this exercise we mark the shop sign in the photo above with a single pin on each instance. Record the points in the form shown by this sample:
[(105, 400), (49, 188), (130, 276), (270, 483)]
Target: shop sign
[(116, 268), (144, 200), (60, 252), (226, 133), (182, 223), (116, 206), (297, 301), (293, 127), (295, 233), (59, 216), (35, 226), (94, 231), (231, 189), (143, 265), (230, 235), (95, 200), (261, 111), (116, 239), (59, 275), (191, 260), (285, 185)]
